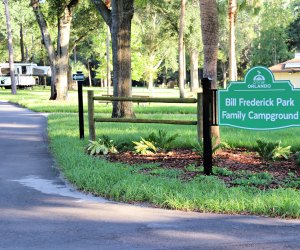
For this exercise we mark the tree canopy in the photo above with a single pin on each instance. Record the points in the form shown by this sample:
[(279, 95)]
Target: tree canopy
[(154, 36)]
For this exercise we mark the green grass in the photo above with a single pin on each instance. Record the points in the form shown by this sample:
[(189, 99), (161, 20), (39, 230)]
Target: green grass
[(163, 188), (123, 183)]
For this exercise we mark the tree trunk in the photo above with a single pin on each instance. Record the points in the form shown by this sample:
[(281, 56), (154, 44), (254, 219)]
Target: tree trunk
[(62, 66), (194, 60), (119, 20), (70, 79), (181, 49), (47, 43), (232, 57), (224, 69), (122, 13), (90, 75), (59, 59), (22, 44), (10, 49), (210, 39), (108, 76), (151, 84)]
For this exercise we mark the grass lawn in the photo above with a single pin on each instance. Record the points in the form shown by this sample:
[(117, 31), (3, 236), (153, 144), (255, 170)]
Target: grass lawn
[(123, 182)]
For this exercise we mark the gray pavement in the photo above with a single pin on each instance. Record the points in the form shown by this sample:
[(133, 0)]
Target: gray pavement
[(39, 210)]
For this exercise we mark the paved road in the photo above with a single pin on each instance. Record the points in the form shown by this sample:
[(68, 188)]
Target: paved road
[(38, 210)]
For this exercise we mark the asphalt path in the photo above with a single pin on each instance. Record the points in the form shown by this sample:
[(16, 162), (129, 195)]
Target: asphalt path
[(40, 210)]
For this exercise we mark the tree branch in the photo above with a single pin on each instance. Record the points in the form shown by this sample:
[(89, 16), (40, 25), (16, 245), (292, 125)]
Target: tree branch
[(80, 38), (44, 30), (104, 11)]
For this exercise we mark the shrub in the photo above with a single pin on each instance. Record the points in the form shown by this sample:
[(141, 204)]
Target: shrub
[(161, 139), (103, 146), (272, 150), (144, 147), (265, 149), (297, 156), (281, 152)]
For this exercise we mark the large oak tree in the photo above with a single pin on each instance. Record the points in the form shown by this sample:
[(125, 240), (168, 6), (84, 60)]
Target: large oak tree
[(59, 56), (118, 15)]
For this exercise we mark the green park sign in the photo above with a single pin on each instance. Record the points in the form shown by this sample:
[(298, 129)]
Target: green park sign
[(259, 102)]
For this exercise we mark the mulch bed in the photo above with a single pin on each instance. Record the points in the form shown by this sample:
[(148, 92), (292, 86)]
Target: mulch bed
[(235, 160)]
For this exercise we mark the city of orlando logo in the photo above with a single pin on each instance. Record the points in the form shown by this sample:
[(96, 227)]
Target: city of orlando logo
[(259, 79)]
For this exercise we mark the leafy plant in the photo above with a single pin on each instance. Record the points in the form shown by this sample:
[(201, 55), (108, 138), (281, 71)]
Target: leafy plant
[(161, 139), (281, 152), (144, 147), (259, 179), (125, 146), (222, 171), (272, 150), (101, 146), (292, 181), (265, 149), (97, 147), (109, 143), (199, 147), (193, 168), (297, 155)]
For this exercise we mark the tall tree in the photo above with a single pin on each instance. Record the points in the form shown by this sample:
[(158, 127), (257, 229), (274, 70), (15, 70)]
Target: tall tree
[(181, 53), (232, 12), (118, 18), (151, 50), (210, 39), (193, 42), (270, 47), (234, 6), (59, 57), (10, 48)]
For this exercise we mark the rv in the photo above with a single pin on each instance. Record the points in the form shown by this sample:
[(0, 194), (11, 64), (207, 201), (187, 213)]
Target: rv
[(26, 74)]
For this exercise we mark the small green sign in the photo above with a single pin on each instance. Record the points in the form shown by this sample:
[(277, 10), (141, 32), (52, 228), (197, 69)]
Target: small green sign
[(259, 102)]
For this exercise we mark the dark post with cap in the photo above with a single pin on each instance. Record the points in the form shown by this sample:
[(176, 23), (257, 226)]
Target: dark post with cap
[(80, 102), (207, 144)]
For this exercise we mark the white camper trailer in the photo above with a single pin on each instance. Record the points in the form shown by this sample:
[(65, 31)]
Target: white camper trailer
[(26, 74)]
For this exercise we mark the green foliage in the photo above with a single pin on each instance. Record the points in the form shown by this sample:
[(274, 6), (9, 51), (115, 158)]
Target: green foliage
[(102, 146), (270, 46), (281, 152), (199, 147), (118, 182), (97, 147), (108, 142), (294, 34), (259, 179), (266, 149), (297, 155), (292, 181), (272, 150), (193, 168), (161, 139), (222, 171), (144, 147)]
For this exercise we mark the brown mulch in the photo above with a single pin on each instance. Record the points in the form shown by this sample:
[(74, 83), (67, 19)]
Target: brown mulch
[(235, 160)]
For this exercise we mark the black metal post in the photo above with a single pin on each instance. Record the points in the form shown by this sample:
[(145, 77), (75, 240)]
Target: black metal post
[(207, 144), (80, 108)]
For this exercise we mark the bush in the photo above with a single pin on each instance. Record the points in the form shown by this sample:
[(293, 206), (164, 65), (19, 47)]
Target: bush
[(144, 147), (297, 156), (272, 150), (103, 146), (161, 140)]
